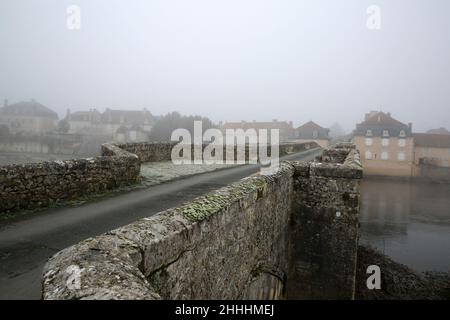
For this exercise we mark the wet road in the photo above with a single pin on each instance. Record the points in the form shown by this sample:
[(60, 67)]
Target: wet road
[(408, 221), (25, 245)]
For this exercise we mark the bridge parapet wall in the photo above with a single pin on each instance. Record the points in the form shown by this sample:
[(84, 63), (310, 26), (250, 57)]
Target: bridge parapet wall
[(265, 237), (229, 244), (35, 185), (40, 185), (325, 226), (162, 151)]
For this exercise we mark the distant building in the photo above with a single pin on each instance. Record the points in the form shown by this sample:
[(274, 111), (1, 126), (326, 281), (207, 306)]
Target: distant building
[(131, 134), (386, 145), (84, 121), (119, 125), (439, 131), (286, 130), (128, 125), (432, 149), (311, 131), (28, 118)]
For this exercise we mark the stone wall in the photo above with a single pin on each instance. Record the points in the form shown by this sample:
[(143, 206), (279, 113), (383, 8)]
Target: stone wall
[(148, 151), (161, 151), (324, 226), (235, 243), (29, 186), (38, 185)]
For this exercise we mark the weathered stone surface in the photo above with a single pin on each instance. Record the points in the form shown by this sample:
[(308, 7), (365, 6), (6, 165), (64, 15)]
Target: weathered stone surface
[(253, 239), (324, 227), (162, 151), (108, 269), (35, 185), (211, 248)]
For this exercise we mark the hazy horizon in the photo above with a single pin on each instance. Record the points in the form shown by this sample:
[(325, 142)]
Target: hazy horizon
[(232, 60)]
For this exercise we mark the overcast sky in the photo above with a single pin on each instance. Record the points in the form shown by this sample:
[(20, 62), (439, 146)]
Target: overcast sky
[(232, 60)]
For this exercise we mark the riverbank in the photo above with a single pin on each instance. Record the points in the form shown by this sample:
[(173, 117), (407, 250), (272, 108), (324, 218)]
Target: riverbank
[(398, 282)]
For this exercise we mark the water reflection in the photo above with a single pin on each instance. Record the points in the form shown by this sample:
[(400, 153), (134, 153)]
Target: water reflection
[(408, 221)]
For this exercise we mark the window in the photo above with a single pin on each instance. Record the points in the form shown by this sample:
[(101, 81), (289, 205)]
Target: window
[(315, 134), (368, 141), (384, 142), (368, 155), (385, 133), (402, 133), (401, 156), (384, 155), (401, 142), (369, 133), (445, 163)]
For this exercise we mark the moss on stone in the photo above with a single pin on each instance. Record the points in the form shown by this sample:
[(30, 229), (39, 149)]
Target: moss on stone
[(203, 207)]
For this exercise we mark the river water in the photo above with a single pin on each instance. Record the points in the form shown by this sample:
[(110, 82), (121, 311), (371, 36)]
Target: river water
[(408, 221)]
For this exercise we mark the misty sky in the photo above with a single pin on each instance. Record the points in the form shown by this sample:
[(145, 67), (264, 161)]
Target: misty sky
[(232, 60)]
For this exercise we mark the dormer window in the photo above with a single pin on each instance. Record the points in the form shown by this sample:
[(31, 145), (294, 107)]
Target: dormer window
[(402, 133), (385, 133), (369, 133)]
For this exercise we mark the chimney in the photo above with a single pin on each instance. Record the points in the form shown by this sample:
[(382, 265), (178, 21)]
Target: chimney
[(5, 103), (291, 124), (67, 113), (274, 120), (389, 114), (410, 126)]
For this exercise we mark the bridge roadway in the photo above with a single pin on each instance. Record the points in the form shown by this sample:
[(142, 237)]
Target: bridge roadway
[(26, 243)]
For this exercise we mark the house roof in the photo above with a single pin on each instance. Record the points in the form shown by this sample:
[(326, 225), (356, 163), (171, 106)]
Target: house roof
[(82, 115), (310, 125), (431, 140), (29, 108), (381, 118), (378, 121), (439, 131), (127, 116)]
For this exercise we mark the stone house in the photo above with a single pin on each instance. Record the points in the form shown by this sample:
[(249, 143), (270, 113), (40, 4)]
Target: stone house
[(386, 145), (311, 131), (28, 118)]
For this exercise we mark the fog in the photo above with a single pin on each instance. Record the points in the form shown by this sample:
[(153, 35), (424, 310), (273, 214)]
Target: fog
[(232, 60)]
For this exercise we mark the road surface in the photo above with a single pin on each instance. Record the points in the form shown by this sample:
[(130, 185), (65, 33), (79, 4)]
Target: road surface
[(26, 244)]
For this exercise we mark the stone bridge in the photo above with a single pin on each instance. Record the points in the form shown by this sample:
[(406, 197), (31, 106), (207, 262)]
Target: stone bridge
[(292, 234), (39, 185)]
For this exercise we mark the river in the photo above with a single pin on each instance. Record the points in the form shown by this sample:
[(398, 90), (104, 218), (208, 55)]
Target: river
[(408, 221)]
